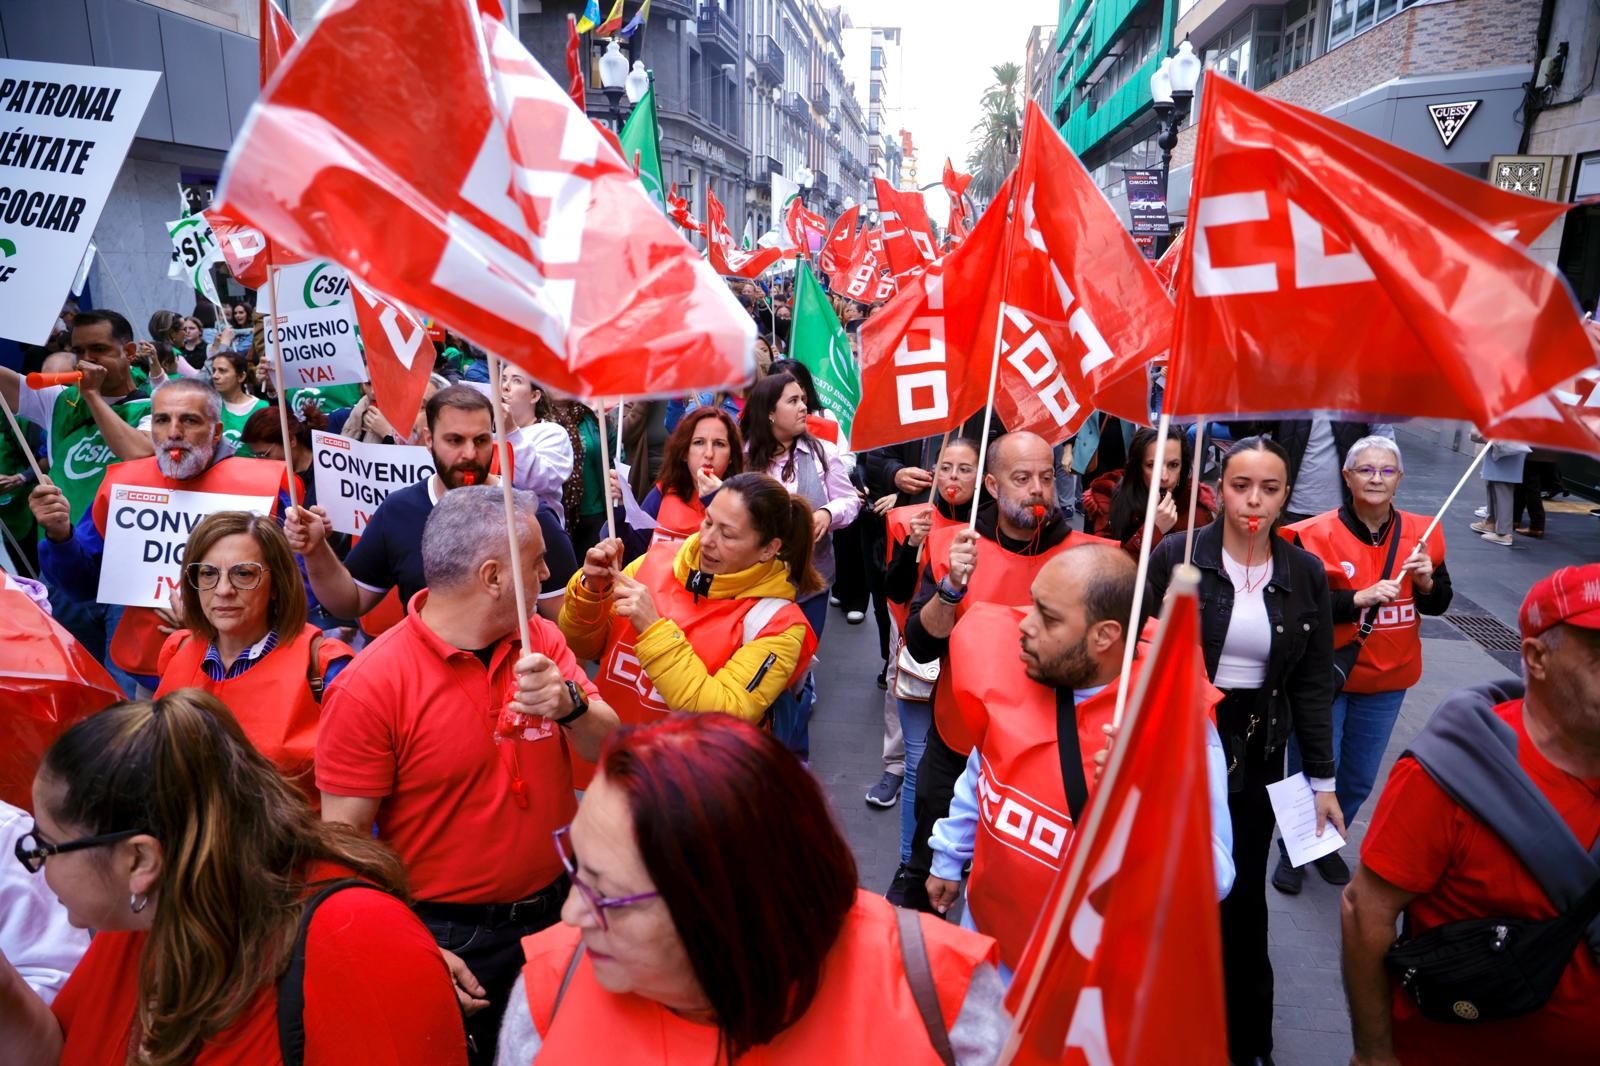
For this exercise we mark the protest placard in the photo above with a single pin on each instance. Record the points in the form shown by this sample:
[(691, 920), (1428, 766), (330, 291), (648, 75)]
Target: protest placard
[(352, 478), (319, 346), (146, 530), (65, 132)]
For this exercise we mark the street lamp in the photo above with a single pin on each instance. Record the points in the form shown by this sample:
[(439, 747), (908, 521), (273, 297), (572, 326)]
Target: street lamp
[(637, 83), (1172, 90), (614, 78)]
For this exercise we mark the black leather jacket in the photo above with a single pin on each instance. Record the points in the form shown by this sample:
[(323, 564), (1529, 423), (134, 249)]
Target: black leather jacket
[(1298, 691)]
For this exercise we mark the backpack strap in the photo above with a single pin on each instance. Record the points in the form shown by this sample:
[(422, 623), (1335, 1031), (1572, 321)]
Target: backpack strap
[(1471, 754), (291, 986), (919, 975), (314, 669), (757, 617)]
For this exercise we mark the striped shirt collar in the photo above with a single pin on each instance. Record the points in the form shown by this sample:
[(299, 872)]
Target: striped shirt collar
[(248, 658)]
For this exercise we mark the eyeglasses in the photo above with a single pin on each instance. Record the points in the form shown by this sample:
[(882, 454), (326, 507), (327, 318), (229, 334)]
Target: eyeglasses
[(1367, 473), (242, 576), (32, 849), (598, 904)]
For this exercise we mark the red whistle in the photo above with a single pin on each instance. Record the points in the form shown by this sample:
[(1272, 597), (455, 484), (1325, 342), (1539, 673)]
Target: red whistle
[(950, 493), (1038, 510), (175, 454), (37, 380), (1255, 523), (468, 478)]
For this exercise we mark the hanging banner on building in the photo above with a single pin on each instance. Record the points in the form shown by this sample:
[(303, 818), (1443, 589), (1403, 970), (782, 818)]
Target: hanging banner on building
[(64, 131), (319, 347), (1147, 202), (146, 530), (352, 478)]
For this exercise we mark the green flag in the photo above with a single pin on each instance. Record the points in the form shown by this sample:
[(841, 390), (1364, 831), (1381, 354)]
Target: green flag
[(817, 340), (641, 145)]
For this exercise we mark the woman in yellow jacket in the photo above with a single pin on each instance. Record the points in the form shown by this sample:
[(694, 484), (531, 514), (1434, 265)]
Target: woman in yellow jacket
[(706, 625)]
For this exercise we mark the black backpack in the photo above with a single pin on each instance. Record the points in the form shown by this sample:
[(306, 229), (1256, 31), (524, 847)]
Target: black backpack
[(291, 986)]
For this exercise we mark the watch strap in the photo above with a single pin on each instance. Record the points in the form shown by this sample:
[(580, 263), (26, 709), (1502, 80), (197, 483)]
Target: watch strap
[(580, 704)]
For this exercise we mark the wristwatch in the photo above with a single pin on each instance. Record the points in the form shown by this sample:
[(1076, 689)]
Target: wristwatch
[(580, 704), (949, 593)]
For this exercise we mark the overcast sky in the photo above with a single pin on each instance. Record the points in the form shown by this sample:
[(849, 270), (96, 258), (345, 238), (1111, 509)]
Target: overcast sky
[(949, 48)]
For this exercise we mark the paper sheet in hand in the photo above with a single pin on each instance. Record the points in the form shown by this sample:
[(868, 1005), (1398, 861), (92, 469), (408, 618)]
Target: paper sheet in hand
[(1294, 807), (632, 513)]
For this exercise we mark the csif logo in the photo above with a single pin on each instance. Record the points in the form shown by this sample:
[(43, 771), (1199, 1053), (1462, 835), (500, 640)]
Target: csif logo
[(88, 458)]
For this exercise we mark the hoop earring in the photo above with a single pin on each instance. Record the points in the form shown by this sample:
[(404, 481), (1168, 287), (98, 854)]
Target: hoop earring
[(137, 903)]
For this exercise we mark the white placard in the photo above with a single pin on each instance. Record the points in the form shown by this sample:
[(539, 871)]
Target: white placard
[(306, 286), (146, 530), (1294, 805), (353, 478), (64, 131), (319, 346), (636, 517)]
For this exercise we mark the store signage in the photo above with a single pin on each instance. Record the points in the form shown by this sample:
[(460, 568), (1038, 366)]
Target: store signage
[(1449, 118)]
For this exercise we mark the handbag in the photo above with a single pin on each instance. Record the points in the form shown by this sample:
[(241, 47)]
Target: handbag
[(1488, 969), (914, 681), (1345, 655)]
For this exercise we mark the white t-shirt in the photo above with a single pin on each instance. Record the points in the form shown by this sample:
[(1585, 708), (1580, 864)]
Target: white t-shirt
[(1316, 486), (34, 932), (1248, 645)]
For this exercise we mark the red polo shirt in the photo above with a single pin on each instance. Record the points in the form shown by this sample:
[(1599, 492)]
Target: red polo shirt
[(1422, 842), (410, 722)]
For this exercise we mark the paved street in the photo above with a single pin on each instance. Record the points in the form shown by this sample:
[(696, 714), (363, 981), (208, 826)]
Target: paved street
[(1312, 1027)]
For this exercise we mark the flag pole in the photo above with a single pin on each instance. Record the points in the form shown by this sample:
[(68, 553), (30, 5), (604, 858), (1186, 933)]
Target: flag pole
[(1477, 460), (277, 374), (1130, 636), (22, 442), (994, 362), (605, 463), (1185, 582), (504, 450), (1194, 487)]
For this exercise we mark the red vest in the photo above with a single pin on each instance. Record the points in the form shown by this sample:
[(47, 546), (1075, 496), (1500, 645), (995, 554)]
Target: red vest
[(1391, 659), (136, 645), (863, 1013), (1002, 577), (272, 699), (899, 523), (1024, 826), (677, 520)]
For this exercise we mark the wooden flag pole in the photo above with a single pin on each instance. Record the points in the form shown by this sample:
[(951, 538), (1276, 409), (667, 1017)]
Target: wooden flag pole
[(22, 442), (504, 449), (1477, 461), (277, 374), (605, 463), (1130, 637)]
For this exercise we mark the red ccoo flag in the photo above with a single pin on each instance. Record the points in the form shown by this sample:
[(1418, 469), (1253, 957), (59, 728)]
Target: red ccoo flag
[(955, 187), (486, 201), (726, 256), (835, 258), (1125, 964), (575, 64), (277, 37), (1326, 271), (805, 228), (907, 233), (867, 278), (399, 355)]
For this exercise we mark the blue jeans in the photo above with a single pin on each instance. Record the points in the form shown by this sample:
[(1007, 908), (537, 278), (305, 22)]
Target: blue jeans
[(1362, 722), (915, 720)]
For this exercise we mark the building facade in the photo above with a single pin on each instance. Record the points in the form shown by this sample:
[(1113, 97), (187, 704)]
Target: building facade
[(207, 54), (1039, 67), (875, 59)]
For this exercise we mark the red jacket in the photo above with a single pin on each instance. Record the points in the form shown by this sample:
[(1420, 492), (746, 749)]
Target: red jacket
[(1096, 506)]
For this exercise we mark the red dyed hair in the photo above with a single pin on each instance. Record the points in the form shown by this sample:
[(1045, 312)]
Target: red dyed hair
[(740, 843), (676, 478)]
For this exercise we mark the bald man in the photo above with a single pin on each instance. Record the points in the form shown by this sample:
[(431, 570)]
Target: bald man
[(1018, 530), (1040, 714)]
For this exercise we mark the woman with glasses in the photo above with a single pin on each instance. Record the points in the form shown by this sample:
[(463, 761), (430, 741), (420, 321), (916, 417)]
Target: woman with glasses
[(714, 911), (202, 872), (1381, 581), (246, 639)]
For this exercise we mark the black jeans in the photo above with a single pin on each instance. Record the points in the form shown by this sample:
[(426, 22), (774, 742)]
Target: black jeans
[(937, 775), (850, 576), (491, 946), (1530, 496), (1246, 966)]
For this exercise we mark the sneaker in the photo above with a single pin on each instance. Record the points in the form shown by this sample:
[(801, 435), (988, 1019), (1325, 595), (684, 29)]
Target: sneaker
[(1332, 869), (886, 791), (855, 618), (1482, 512), (1529, 531), (909, 889), (833, 601), (1287, 879), (1482, 527), (1497, 538), (883, 677)]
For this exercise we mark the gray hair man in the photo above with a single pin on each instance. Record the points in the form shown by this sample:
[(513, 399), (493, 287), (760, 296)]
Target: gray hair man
[(457, 742)]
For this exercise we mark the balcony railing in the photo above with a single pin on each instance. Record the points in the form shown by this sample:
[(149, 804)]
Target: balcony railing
[(718, 31), (822, 98), (769, 58), (766, 165)]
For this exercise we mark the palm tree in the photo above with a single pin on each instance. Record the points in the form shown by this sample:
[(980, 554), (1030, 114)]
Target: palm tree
[(997, 135)]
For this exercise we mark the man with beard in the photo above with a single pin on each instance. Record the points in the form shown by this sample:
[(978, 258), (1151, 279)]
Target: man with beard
[(460, 435), (1016, 535), (190, 454), (1041, 717)]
